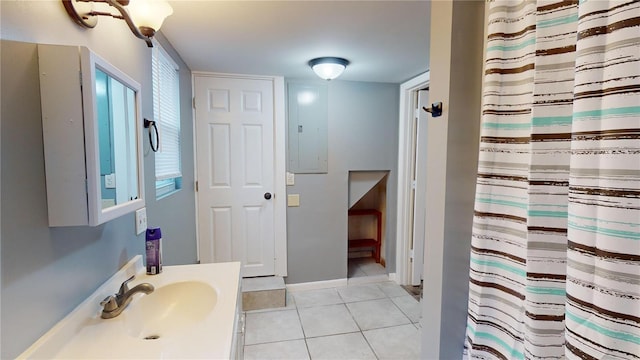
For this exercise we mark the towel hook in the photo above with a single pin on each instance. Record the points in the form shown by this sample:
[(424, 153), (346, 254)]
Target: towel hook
[(435, 110)]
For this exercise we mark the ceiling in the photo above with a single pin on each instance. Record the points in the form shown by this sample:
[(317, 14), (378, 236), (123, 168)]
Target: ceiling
[(385, 41)]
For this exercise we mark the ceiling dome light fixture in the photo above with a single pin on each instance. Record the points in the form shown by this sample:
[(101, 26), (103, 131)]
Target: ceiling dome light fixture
[(144, 17), (328, 68)]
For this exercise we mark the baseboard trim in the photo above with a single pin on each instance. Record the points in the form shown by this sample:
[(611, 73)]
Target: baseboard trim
[(326, 284), (317, 285)]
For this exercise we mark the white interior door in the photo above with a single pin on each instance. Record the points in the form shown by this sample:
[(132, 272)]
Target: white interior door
[(235, 159), (420, 198)]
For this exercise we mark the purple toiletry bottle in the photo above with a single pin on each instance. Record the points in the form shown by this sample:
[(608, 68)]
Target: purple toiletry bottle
[(153, 245)]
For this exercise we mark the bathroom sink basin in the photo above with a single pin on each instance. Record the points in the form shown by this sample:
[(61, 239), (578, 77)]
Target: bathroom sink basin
[(193, 313), (170, 309)]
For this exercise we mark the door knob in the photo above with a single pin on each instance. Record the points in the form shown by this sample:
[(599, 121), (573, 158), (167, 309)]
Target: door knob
[(267, 195)]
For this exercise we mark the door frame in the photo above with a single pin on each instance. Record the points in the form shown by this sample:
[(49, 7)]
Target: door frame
[(408, 92), (279, 154)]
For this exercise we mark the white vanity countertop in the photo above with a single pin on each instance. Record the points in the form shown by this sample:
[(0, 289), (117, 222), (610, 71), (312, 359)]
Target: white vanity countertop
[(84, 334)]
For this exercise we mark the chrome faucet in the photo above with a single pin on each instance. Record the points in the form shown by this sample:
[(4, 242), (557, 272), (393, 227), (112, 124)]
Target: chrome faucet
[(113, 305)]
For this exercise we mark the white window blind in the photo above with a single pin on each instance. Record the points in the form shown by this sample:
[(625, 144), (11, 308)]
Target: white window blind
[(166, 113)]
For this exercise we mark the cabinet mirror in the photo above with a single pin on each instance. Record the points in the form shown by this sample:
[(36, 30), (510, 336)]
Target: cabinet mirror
[(92, 136), (115, 106)]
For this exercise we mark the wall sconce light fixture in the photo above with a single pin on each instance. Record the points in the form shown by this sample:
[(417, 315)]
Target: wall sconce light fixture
[(144, 17), (328, 68)]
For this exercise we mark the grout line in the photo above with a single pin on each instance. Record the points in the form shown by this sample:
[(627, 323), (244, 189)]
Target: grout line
[(361, 332), (336, 334), (389, 327), (274, 342), (344, 303), (353, 318), (370, 346), (304, 335), (306, 344), (402, 311)]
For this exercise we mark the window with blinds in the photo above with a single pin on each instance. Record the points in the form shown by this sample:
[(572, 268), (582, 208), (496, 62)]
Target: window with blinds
[(166, 113)]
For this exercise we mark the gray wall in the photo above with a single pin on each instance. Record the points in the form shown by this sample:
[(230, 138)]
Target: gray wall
[(46, 272), (363, 135), (462, 169), (456, 80)]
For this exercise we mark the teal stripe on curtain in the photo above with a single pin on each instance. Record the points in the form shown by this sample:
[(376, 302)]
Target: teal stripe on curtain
[(513, 354), (557, 214), (627, 337), (552, 120), (629, 112), (502, 202), (569, 19), (512, 47), (499, 265), (629, 235), (555, 262), (603, 312)]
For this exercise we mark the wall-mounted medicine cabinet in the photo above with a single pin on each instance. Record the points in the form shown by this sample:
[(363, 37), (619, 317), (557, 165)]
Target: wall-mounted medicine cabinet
[(92, 132)]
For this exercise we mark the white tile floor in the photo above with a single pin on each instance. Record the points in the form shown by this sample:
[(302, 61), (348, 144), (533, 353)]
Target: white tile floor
[(375, 320), (364, 267)]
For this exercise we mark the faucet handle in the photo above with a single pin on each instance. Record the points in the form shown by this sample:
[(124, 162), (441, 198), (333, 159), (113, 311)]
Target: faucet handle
[(109, 303), (124, 287)]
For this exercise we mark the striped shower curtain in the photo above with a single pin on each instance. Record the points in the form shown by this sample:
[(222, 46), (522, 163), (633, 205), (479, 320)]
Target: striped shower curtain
[(555, 257)]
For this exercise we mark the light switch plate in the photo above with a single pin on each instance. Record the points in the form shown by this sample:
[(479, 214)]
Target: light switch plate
[(141, 220), (291, 180), (110, 181), (293, 200)]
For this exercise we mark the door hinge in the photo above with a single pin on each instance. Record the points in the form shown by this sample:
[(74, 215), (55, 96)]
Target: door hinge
[(193, 102), (416, 113), (411, 254), (80, 78), (413, 184), (196, 185)]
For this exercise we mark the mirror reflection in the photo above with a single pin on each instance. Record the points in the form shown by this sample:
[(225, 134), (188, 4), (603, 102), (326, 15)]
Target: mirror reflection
[(116, 110)]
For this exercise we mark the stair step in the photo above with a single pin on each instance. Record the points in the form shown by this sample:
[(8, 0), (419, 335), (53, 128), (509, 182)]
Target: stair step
[(263, 293)]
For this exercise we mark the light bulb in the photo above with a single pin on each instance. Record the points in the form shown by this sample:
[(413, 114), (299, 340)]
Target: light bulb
[(328, 68), (149, 14)]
